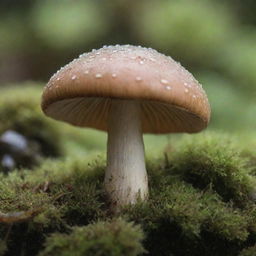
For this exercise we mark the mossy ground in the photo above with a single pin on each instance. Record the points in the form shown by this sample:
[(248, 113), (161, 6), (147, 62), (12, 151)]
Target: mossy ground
[(202, 197), (201, 203)]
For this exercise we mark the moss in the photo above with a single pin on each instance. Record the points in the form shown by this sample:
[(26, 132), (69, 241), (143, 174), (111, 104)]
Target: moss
[(112, 238), (20, 111), (215, 162), (251, 251), (65, 193), (179, 216), (199, 200), (2, 247)]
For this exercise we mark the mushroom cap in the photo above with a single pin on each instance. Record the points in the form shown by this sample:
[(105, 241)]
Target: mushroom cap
[(171, 99)]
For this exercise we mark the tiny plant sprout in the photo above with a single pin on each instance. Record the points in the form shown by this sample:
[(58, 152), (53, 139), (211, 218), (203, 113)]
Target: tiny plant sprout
[(114, 92)]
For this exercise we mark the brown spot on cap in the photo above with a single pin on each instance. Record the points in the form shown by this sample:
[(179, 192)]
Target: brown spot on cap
[(171, 99)]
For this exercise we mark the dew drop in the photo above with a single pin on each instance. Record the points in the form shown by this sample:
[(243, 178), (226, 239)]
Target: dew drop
[(194, 96), (85, 54), (86, 72), (185, 84), (141, 62), (73, 77), (58, 79), (186, 90), (164, 81), (138, 79), (168, 88), (98, 75), (114, 75)]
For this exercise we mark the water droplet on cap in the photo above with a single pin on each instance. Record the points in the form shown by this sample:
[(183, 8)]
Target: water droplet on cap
[(98, 75), (114, 75), (164, 81), (73, 77), (168, 87), (138, 79)]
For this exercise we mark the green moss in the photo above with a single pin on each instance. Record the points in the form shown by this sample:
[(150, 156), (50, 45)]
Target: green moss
[(56, 183), (251, 251), (215, 162), (2, 247), (112, 238), (20, 111), (179, 214), (199, 203)]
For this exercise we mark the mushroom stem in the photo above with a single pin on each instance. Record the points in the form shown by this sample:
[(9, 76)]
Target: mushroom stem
[(126, 176)]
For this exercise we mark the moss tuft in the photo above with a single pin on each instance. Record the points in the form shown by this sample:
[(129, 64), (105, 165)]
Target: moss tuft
[(112, 238), (251, 251), (214, 161)]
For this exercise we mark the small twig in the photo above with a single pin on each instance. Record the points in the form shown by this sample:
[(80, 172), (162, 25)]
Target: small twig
[(21, 216), (8, 233), (58, 196)]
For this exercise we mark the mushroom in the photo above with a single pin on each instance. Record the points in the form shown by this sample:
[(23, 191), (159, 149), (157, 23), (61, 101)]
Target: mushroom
[(126, 91)]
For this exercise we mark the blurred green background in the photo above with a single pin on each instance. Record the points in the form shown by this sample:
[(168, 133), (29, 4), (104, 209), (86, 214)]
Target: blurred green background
[(214, 39)]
